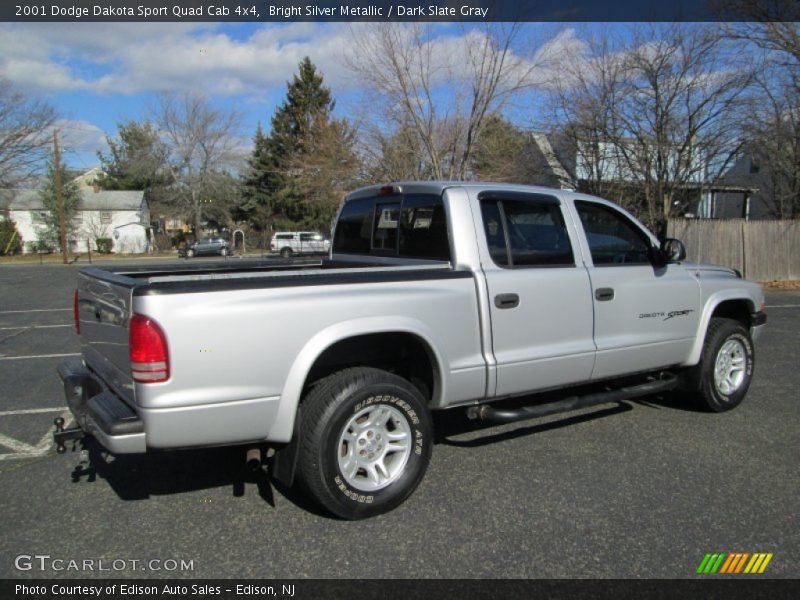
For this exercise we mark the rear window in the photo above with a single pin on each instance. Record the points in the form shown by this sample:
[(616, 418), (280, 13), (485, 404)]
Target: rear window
[(408, 226)]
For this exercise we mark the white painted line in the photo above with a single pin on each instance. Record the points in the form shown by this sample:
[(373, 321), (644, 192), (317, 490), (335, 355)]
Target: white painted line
[(16, 445), (24, 450), (35, 327), (32, 411), (39, 356), (783, 305), (9, 312)]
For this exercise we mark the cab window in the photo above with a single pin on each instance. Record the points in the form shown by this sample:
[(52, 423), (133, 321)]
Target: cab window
[(614, 240)]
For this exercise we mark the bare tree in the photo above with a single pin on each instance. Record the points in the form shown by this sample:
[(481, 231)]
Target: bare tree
[(25, 140), (658, 111), (439, 90), (202, 145), (774, 132)]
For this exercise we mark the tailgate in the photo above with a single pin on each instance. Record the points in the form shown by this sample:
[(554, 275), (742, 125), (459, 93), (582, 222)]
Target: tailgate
[(104, 309)]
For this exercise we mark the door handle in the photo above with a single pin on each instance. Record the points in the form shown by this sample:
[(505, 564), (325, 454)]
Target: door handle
[(604, 294), (506, 300)]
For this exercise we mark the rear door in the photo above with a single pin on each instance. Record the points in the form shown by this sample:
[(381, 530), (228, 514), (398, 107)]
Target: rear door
[(646, 316), (540, 299)]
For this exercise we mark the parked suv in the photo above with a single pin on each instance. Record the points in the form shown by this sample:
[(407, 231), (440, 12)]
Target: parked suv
[(206, 246), (289, 243)]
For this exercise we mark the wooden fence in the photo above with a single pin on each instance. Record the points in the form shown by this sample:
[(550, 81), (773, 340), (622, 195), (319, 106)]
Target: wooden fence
[(761, 250)]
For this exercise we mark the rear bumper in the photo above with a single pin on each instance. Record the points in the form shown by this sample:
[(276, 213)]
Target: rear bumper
[(99, 412)]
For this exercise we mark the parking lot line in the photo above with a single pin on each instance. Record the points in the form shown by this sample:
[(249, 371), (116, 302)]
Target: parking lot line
[(36, 327), (31, 411), (39, 356), (8, 312)]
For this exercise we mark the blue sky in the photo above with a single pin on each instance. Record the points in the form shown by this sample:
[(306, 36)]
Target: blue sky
[(98, 74)]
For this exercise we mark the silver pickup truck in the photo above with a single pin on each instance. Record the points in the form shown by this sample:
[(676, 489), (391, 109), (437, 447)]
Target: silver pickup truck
[(435, 295)]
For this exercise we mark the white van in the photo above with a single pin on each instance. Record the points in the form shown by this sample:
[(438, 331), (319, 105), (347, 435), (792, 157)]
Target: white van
[(289, 243)]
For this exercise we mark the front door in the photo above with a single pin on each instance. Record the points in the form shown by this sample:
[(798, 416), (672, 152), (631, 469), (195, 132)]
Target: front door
[(540, 299), (646, 316)]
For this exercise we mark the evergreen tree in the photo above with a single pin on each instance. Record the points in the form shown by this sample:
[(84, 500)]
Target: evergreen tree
[(47, 221), (137, 158), (276, 191)]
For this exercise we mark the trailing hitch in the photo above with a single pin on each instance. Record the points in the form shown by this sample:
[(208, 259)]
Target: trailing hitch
[(61, 435)]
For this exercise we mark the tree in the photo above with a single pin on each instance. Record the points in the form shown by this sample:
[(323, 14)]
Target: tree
[(660, 112), (297, 173), (774, 131), (443, 104), (48, 220), (202, 145), (501, 153), (137, 158), (10, 242), (24, 134)]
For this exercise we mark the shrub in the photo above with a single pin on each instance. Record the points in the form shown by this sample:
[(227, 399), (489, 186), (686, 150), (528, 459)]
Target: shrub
[(10, 242), (104, 245)]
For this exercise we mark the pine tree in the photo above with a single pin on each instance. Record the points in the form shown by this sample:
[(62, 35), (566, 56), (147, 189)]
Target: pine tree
[(137, 159), (47, 221), (275, 188)]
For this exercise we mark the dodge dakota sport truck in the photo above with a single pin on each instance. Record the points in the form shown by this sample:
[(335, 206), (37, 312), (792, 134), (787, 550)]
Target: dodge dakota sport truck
[(435, 295)]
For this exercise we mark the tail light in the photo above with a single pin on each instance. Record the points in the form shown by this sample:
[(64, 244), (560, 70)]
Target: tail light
[(148, 350), (76, 315)]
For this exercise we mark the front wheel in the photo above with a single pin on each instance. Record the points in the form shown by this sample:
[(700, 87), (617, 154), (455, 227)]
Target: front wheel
[(189, 253), (286, 253), (365, 441), (726, 365), (223, 252)]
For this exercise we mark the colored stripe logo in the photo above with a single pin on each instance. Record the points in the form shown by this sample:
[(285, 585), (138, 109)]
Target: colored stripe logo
[(734, 563)]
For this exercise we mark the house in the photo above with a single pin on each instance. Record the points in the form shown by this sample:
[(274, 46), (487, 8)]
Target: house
[(122, 216), (560, 161)]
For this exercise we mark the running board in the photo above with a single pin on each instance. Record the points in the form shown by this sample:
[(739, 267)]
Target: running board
[(485, 412)]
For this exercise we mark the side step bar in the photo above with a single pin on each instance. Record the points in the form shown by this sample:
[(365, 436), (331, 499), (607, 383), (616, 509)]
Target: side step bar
[(486, 412)]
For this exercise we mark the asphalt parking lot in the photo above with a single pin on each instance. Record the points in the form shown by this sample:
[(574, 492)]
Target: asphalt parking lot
[(639, 489)]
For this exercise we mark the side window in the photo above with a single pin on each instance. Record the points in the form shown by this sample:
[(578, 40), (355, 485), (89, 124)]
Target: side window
[(613, 239), (523, 233), (423, 228), (305, 237)]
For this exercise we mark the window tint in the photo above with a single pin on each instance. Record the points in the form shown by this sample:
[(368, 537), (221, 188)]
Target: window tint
[(423, 228), (495, 235), (354, 227), (284, 236), (523, 233), (613, 238), (384, 234), (305, 237), (410, 226)]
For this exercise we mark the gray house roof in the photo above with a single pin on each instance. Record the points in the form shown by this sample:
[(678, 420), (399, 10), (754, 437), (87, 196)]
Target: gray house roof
[(90, 200)]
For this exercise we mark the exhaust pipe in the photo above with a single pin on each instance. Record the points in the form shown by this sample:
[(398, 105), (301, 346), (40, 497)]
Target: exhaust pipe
[(253, 459)]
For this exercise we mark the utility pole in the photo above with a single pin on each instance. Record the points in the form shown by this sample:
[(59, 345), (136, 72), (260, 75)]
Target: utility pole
[(62, 225)]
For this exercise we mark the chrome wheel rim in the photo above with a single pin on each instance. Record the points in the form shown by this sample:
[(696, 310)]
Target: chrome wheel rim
[(729, 367), (374, 447)]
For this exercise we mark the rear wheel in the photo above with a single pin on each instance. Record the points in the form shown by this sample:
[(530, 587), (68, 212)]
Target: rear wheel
[(286, 253), (365, 442), (726, 366)]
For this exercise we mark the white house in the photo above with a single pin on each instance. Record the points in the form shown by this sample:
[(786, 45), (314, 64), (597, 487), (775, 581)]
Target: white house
[(124, 217)]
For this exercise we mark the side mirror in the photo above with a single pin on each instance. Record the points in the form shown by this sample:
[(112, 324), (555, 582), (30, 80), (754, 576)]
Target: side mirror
[(673, 250)]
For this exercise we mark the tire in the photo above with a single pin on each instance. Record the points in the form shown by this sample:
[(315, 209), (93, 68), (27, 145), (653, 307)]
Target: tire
[(726, 366), (223, 252), (346, 459), (189, 253), (286, 253)]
